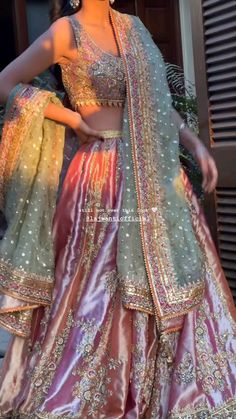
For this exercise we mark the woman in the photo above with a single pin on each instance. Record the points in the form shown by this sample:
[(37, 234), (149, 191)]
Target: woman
[(139, 321)]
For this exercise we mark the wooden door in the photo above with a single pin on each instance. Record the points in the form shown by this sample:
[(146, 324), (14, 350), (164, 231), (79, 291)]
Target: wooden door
[(161, 17), (13, 30), (214, 29)]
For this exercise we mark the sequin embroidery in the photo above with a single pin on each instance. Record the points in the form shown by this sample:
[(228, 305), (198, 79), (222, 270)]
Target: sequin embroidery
[(95, 77)]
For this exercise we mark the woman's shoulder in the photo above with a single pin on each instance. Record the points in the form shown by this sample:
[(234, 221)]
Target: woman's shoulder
[(62, 31), (61, 25), (61, 38)]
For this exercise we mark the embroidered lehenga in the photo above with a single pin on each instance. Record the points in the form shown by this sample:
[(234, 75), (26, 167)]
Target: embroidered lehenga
[(133, 329)]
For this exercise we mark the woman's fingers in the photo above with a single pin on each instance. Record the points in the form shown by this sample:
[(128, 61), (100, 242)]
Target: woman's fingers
[(85, 133), (204, 168), (89, 132), (213, 175), (210, 174), (208, 168)]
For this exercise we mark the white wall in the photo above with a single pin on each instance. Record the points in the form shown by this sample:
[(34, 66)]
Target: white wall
[(187, 45)]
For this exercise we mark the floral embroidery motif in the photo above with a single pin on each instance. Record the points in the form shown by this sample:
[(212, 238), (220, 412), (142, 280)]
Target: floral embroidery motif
[(163, 374), (94, 383), (43, 373), (143, 373), (92, 387), (94, 237), (212, 366), (111, 281), (90, 329), (185, 372), (227, 411), (95, 77)]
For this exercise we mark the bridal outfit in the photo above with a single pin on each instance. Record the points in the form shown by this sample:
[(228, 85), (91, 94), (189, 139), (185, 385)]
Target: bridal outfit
[(140, 321)]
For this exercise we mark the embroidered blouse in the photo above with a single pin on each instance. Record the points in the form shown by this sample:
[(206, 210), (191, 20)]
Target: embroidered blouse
[(96, 76)]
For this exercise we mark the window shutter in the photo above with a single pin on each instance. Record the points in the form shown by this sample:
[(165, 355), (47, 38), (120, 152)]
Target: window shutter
[(214, 29)]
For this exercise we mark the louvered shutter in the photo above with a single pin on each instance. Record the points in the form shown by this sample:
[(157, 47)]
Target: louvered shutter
[(214, 29)]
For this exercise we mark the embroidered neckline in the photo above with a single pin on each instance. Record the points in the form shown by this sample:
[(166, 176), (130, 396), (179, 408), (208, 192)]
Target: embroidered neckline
[(89, 37), (96, 76)]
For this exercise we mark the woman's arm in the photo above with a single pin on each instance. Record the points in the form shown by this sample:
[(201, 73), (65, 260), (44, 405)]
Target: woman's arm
[(200, 153), (187, 138), (50, 48), (73, 120)]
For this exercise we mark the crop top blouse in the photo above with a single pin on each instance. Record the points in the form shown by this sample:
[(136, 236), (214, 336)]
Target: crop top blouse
[(96, 76)]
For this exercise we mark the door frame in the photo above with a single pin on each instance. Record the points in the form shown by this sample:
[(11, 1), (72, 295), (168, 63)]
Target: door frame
[(202, 103), (20, 25)]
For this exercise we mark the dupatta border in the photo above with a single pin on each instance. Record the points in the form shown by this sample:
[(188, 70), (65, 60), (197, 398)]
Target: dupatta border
[(31, 288), (227, 411), (19, 323), (15, 127), (21, 284)]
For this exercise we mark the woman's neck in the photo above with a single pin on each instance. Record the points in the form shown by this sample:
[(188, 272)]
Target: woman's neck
[(95, 13)]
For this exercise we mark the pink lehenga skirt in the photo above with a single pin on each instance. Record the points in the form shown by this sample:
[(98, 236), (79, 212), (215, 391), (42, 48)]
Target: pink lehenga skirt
[(88, 356)]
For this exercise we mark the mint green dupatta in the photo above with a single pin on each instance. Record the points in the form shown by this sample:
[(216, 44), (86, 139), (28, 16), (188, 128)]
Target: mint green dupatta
[(162, 266), (31, 153)]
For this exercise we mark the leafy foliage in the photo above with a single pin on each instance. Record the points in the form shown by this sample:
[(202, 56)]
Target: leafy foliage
[(185, 102), (184, 98)]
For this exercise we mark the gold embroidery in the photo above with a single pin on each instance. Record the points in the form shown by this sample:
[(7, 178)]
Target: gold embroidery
[(18, 322), (93, 385), (95, 77), (185, 372), (111, 134), (163, 374), (90, 329), (211, 369), (111, 281), (26, 280), (43, 373), (143, 369), (227, 410)]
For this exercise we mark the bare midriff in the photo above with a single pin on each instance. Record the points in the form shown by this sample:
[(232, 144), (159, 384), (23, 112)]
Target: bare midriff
[(102, 118)]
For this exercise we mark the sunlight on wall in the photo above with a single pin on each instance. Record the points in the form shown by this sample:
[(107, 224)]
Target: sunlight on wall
[(187, 45)]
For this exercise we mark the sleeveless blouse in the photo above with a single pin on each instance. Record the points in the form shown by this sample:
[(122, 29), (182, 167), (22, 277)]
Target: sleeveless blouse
[(96, 76)]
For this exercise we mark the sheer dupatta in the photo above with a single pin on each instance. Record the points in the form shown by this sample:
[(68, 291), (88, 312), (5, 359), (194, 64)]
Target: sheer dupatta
[(173, 283), (31, 158)]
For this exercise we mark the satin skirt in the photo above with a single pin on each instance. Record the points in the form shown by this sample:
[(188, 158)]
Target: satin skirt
[(88, 356)]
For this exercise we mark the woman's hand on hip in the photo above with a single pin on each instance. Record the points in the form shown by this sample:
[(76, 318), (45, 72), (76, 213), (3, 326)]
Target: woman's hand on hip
[(207, 166), (84, 132)]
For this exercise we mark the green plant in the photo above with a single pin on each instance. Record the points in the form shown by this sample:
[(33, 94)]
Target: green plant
[(185, 102)]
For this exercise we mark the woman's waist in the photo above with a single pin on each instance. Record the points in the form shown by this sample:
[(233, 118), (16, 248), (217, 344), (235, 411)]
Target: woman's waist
[(102, 118), (111, 133)]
